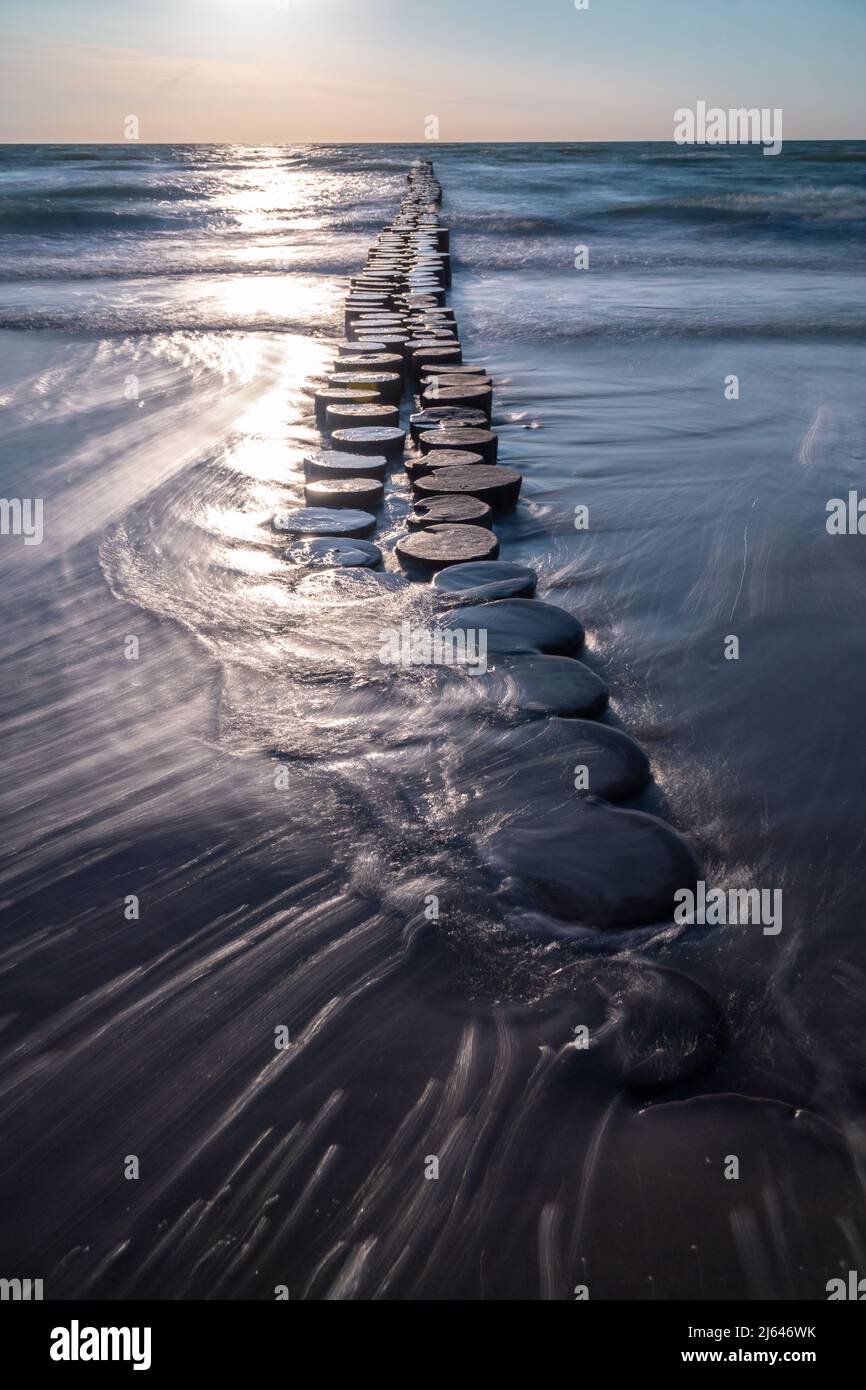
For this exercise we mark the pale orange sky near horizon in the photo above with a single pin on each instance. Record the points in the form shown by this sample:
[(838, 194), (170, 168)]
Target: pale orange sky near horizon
[(330, 70)]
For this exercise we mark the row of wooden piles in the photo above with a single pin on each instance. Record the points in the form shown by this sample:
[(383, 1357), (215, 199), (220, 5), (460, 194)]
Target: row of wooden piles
[(401, 355)]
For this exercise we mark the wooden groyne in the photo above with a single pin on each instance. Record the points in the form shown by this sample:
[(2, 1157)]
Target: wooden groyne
[(399, 391), (402, 344)]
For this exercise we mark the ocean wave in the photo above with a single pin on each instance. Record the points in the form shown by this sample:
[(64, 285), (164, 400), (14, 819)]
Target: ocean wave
[(822, 210), (515, 224), (40, 218), (150, 192), (710, 323), (614, 252), (831, 152), (843, 156), (69, 212), (808, 204), (155, 266), (128, 323)]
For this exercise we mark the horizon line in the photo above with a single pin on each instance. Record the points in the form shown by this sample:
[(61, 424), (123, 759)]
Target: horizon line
[(432, 144)]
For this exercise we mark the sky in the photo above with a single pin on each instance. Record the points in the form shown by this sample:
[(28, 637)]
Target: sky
[(294, 71)]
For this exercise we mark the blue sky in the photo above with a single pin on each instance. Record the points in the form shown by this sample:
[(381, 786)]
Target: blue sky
[(297, 70)]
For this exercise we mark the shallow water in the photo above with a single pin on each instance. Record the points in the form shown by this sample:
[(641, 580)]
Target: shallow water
[(162, 313)]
